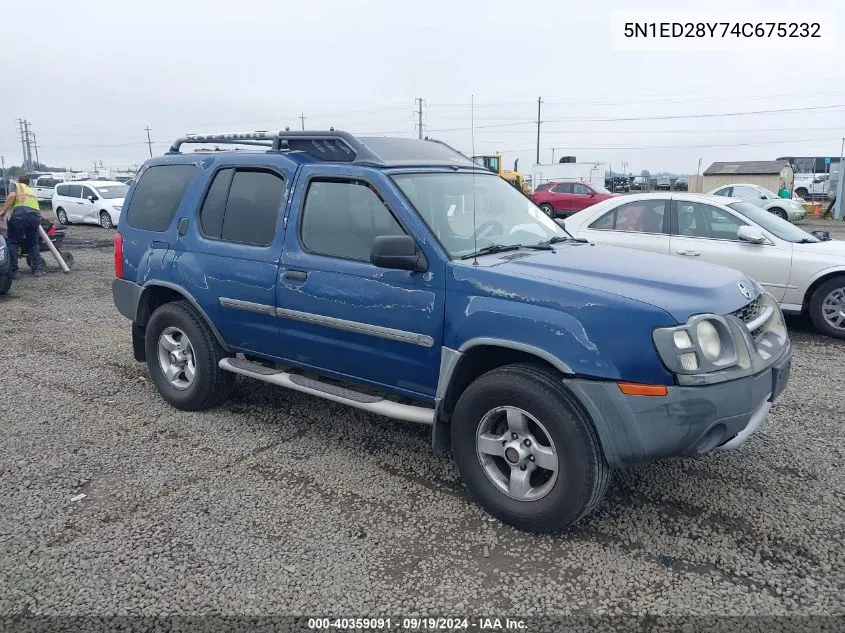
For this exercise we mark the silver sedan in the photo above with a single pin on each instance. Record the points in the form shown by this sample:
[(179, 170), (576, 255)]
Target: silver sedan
[(804, 273)]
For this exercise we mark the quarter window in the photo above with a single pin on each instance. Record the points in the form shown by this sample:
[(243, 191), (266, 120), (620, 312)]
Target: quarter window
[(342, 218), (157, 196)]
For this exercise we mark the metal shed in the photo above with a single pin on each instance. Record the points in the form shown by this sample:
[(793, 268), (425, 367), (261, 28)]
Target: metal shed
[(765, 173)]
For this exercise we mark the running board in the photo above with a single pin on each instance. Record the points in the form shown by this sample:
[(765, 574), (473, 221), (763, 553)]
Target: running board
[(349, 397)]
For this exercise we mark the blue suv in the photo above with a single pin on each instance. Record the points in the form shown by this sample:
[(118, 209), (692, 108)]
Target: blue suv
[(398, 277)]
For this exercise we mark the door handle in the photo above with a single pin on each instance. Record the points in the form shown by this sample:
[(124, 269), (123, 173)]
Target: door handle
[(688, 253), (296, 275)]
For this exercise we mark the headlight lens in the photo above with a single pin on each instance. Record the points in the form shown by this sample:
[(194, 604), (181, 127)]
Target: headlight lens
[(708, 340)]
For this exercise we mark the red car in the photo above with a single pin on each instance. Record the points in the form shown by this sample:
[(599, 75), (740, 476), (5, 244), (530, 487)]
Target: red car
[(561, 199)]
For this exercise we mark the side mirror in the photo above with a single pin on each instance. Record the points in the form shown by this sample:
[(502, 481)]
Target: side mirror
[(750, 234), (398, 252), (763, 196), (592, 194), (93, 198)]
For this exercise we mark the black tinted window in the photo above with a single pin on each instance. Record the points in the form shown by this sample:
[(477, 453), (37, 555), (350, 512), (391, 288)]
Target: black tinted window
[(74, 191), (157, 196), (87, 191), (62, 190), (563, 188), (255, 198), (342, 219), (635, 217), (211, 216)]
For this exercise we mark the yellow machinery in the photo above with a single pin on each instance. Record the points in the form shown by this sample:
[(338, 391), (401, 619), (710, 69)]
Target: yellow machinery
[(493, 162)]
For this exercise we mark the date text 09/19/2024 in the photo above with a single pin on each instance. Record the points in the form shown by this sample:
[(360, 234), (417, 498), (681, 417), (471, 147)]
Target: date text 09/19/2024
[(416, 624)]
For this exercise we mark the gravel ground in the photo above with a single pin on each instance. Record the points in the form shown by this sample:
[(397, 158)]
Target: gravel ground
[(281, 503)]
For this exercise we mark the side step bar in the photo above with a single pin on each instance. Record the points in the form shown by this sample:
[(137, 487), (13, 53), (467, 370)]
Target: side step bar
[(373, 404)]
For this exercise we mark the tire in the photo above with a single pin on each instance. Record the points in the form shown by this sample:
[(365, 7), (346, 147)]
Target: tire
[(824, 301), (801, 192), (42, 261), (61, 217), (548, 210), (68, 257), (779, 212), (5, 283), (105, 220), (555, 499), (210, 385)]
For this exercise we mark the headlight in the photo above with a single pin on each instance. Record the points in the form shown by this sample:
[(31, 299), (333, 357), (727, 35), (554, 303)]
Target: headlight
[(117, 207), (708, 340)]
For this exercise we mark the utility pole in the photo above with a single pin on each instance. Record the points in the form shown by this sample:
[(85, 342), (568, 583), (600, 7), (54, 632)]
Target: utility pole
[(149, 142), (23, 143), (840, 184), (35, 147), (28, 146), (539, 104), (419, 115), (301, 117)]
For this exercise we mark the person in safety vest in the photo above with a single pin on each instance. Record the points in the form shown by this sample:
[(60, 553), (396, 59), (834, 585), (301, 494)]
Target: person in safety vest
[(23, 225)]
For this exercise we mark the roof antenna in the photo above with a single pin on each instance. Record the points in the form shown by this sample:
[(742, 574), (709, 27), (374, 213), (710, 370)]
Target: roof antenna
[(472, 133)]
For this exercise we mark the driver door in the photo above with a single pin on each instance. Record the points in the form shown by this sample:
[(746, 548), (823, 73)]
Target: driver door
[(708, 233)]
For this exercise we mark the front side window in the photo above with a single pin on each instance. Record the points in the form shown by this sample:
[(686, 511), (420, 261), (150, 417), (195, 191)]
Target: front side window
[(341, 218), (86, 192), (746, 193), (469, 211), (580, 189), (703, 220)]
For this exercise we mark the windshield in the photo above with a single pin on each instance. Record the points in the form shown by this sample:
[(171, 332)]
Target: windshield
[(113, 191), (503, 215), (773, 224)]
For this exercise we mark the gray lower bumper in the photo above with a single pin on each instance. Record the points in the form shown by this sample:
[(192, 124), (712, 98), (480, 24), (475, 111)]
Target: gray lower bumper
[(126, 295), (689, 421)]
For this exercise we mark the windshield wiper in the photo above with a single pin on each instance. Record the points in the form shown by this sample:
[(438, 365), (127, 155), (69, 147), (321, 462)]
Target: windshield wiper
[(557, 239), (492, 248), (807, 240)]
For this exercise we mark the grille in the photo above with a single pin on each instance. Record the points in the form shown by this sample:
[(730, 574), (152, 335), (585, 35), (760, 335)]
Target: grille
[(749, 313)]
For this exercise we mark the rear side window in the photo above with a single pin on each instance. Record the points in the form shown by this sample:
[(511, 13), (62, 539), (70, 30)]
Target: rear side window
[(157, 196), (211, 215), (62, 190), (74, 191), (252, 207)]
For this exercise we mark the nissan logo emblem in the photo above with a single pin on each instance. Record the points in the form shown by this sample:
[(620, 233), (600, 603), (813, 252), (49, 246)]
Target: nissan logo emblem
[(744, 290)]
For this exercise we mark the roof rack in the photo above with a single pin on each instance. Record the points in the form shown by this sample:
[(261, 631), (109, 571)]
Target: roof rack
[(331, 145)]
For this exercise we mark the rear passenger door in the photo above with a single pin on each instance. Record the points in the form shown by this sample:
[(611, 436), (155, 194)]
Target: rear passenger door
[(340, 314), (561, 198), (73, 203), (641, 224), (227, 254)]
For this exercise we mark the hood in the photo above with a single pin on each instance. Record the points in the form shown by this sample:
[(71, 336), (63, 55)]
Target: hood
[(114, 202), (679, 286), (832, 248)]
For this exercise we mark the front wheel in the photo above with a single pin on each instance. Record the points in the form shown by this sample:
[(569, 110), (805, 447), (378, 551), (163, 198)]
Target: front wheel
[(105, 220), (779, 212), (801, 192), (827, 307), (548, 210), (5, 283), (183, 358), (526, 450), (61, 216)]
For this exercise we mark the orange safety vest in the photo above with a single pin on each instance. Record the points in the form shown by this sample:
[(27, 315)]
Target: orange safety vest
[(24, 197)]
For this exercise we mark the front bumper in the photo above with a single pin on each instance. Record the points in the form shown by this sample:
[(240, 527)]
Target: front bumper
[(795, 215), (689, 421)]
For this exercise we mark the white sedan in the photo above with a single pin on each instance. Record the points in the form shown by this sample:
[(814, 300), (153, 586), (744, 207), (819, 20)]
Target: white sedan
[(803, 273)]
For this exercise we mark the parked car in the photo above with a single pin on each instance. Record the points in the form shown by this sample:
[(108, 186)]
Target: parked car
[(44, 186), (811, 186), (564, 198), (89, 201), (640, 183), (803, 273), (5, 267), (784, 208), (398, 277), (681, 184), (663, 184)]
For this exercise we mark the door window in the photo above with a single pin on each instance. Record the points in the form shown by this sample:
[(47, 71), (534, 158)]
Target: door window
[(564, 187), (703, 220), (342, 218), (242, 206), (580, 189), (746, 193), (634, 217), (725, 191), (87, 191), (74, 191)]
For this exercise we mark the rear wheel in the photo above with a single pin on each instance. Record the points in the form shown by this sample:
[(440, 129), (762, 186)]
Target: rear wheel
[(526, 450), (5, 283), (183, 358), (779, 212), (827, 307), (801, 192), (105, 220), (548, 210), (61, 216)]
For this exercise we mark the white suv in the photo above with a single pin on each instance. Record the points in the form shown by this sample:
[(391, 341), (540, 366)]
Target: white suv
[(44, 185), (90, 201)]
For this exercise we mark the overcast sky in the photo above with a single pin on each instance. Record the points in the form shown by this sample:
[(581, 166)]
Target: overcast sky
[(96, 73)]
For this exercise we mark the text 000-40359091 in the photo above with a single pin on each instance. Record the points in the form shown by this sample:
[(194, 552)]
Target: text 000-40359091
[(758, 30)]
